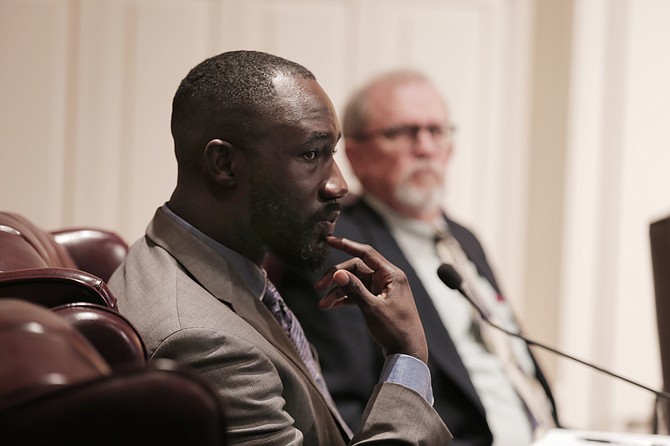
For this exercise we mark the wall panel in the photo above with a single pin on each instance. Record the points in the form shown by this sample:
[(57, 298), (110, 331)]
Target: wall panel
[(168, 38), (94, 172), (644, 196), (34, 81), (616, 184)]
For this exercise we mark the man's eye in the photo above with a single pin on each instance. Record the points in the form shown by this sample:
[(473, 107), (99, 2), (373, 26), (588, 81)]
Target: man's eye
[(436, 130), (311, 155), (402, 131)]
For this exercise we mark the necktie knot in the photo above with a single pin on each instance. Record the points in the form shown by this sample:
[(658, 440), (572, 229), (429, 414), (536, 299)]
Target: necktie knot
[(440, 235), (275, 303)]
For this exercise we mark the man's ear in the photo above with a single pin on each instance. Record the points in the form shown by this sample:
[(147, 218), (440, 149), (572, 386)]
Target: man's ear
[(219, 162)]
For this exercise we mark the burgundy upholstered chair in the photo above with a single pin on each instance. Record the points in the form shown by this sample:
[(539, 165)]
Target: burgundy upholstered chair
[(56, 389), (112, 335), (56, 269), (95, 251), (35, 266)]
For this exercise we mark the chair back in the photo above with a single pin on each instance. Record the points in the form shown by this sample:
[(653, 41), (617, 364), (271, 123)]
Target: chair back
[(24, 245), (55, 389), (56, 269), (95, 251), (40, 352)]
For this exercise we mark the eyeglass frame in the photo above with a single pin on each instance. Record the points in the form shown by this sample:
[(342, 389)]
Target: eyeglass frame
[(396, 132)]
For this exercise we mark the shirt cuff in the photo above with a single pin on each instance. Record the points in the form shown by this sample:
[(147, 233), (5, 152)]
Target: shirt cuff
[(410, 372)]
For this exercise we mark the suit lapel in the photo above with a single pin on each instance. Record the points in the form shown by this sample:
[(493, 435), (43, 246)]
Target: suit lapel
[(215, 275)]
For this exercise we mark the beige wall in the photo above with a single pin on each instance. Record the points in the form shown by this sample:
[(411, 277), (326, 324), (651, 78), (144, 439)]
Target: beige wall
[(560, 166)]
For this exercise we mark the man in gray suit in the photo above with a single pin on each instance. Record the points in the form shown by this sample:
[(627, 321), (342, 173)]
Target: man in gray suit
[(254, 140)]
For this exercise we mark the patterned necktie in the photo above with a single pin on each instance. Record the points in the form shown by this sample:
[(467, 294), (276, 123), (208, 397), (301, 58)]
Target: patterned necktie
[(289, 323), (528, 388)]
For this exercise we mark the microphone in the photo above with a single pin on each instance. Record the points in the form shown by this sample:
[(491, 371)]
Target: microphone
[(453, 280)]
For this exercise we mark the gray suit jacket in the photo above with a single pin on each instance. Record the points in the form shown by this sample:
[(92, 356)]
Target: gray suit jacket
[(190, 306)]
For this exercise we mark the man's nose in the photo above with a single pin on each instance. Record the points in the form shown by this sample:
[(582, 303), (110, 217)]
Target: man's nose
[(336, 185), (425, 143)]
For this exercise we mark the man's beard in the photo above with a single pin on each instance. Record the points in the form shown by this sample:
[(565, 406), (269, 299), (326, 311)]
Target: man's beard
[(422, 198), (293, 239)]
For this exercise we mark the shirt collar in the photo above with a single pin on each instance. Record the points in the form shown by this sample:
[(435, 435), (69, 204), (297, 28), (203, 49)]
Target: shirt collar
[(395, 220), (251, 274)]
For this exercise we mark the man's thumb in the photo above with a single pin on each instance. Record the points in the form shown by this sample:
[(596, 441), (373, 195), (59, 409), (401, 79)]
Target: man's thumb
[(341, 278)]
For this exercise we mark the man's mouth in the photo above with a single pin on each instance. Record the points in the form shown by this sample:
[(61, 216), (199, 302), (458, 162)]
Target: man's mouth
[(332, 217), (328, 221)]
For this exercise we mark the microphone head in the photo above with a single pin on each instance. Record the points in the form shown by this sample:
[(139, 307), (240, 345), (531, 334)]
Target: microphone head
[(450, 276)]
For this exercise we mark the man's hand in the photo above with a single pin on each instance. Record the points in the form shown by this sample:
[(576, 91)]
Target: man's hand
[(382, 292)]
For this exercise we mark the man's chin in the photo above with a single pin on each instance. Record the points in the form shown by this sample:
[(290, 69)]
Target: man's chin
[(419, 199), (316, 258), (309, 259)]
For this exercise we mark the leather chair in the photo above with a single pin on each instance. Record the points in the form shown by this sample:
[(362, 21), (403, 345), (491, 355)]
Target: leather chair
[(112, 335), (43, 268), (51, 287), (55, 389), (55, 269), (95, 251), (659, 233)]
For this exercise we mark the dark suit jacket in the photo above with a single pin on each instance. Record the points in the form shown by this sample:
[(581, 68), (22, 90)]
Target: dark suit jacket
[(190, 305), (349, 357)]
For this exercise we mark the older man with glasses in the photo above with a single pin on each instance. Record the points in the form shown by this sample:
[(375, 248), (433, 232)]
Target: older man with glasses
[(399, 139)]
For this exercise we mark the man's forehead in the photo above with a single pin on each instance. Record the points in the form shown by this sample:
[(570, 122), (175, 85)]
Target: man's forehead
[(302, 104), (408, 96), (297, 85), (281, 80), (303, 94)]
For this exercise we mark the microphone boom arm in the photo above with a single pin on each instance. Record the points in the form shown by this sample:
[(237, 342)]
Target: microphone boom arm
[(453, 280)]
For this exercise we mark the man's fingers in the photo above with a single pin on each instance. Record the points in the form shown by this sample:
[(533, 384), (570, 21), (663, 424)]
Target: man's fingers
[(355, 266), (352, 287), (348, 289), (382, 292), (364, 252), (335, 298), (326, 280)]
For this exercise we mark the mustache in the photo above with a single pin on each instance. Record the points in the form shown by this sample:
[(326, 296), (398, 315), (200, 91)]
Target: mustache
[(422, 165), (328, 212)]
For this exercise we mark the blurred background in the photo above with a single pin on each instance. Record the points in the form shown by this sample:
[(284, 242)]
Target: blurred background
[(561, 162)]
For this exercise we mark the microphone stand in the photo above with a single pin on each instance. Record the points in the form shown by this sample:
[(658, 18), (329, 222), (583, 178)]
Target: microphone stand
[(453, 280)]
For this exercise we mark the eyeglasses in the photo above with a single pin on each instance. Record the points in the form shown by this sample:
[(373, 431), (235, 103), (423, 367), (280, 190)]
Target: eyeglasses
[(408, 134)]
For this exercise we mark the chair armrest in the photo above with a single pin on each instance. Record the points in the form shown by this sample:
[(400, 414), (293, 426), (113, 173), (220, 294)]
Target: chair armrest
[(51, 287), (113, 336)]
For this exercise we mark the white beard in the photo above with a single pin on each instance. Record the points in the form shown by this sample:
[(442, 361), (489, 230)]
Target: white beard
[(423, 198)]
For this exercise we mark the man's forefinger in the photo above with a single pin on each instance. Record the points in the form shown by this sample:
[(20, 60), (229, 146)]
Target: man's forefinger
[(364, 252)]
